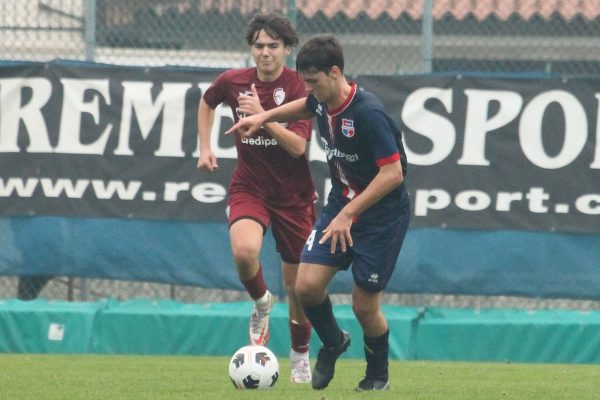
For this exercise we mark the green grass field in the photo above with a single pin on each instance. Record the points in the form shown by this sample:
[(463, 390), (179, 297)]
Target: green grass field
[(32, 376)]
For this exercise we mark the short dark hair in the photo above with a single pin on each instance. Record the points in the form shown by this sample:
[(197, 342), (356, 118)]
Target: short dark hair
[(320, 53), (275, 25)]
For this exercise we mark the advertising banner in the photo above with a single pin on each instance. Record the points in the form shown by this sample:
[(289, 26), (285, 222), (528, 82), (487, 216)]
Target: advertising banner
[(499, 153), (484, 153)]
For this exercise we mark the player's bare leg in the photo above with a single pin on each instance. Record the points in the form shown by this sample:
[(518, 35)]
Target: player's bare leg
[(367, 309), (300, 328), (246, 237)]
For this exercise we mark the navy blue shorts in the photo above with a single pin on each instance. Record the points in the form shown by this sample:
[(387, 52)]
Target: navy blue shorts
[(377, 240)]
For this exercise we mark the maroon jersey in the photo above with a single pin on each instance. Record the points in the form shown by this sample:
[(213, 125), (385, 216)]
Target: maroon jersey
[(263, 167)]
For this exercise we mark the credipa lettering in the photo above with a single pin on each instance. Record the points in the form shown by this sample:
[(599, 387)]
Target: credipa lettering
[(259, 141)]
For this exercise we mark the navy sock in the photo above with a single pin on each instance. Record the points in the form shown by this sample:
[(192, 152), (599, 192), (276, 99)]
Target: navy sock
[(323, 321), (376, 354)]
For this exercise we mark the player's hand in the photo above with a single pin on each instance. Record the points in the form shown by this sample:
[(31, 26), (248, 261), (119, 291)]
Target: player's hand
[(338, 230), (207, 161), (250, 104), (247, 126)]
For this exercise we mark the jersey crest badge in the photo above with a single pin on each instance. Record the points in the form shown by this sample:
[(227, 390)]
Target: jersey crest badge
[(347, 127), (278, 96)]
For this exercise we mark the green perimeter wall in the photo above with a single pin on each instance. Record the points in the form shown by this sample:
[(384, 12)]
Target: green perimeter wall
[(173, 328)]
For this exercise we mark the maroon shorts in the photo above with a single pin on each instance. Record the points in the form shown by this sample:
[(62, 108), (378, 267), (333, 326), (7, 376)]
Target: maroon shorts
[(290, 225)]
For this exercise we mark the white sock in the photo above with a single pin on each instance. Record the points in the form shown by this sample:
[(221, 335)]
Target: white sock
[(264, 302), (295, 356)]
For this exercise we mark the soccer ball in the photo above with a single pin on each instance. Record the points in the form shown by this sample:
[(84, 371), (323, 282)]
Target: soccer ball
[(253, 367)]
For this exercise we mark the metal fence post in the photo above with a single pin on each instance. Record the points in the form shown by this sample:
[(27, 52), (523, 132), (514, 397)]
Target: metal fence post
[(292, 14), (427, 37), (89, 35), (90, 29)]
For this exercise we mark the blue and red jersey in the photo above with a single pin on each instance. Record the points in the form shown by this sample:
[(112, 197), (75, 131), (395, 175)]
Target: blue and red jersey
[(358, 137)]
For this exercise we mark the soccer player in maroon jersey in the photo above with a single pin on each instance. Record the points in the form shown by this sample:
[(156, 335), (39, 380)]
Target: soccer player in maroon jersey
[(271, 183), (367, 213)]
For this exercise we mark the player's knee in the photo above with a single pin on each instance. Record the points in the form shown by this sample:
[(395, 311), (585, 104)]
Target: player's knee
[(301, 289), (244, 254), (359, 310), (305, 292), (364, 312)]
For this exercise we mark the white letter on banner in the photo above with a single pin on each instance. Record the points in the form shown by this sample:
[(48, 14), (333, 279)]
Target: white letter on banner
[(434, 199), (172, 190), (477, 123), (588, 204), (505, 199), (12, 112), (531, 135), (536, 197), (137, 98), (473, 200), (74, 104), (596, 162), (208, 192), (438, 129)]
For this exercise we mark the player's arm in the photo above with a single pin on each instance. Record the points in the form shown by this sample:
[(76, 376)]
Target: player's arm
[(387, 179), (206, 116), (294, 144), (292, 111)]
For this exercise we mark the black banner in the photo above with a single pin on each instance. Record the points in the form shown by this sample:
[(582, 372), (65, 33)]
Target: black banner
[(107, 141), (484, 153), (499, 153)]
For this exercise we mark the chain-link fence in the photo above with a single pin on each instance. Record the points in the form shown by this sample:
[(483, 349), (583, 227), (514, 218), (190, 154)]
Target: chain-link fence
[(77, 289), (379, 36)]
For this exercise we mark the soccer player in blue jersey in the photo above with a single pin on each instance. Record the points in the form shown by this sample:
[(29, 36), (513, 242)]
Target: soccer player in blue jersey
[(367, 213)]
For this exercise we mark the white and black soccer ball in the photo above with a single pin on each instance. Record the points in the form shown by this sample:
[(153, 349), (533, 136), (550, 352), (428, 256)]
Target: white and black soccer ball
[(253, 367)]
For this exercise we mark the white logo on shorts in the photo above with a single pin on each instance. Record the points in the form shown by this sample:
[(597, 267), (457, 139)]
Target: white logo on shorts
[(374, 278)]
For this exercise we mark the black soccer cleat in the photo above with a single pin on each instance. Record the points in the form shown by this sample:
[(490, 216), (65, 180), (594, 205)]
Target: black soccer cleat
[(368, 384), (325, 366)]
